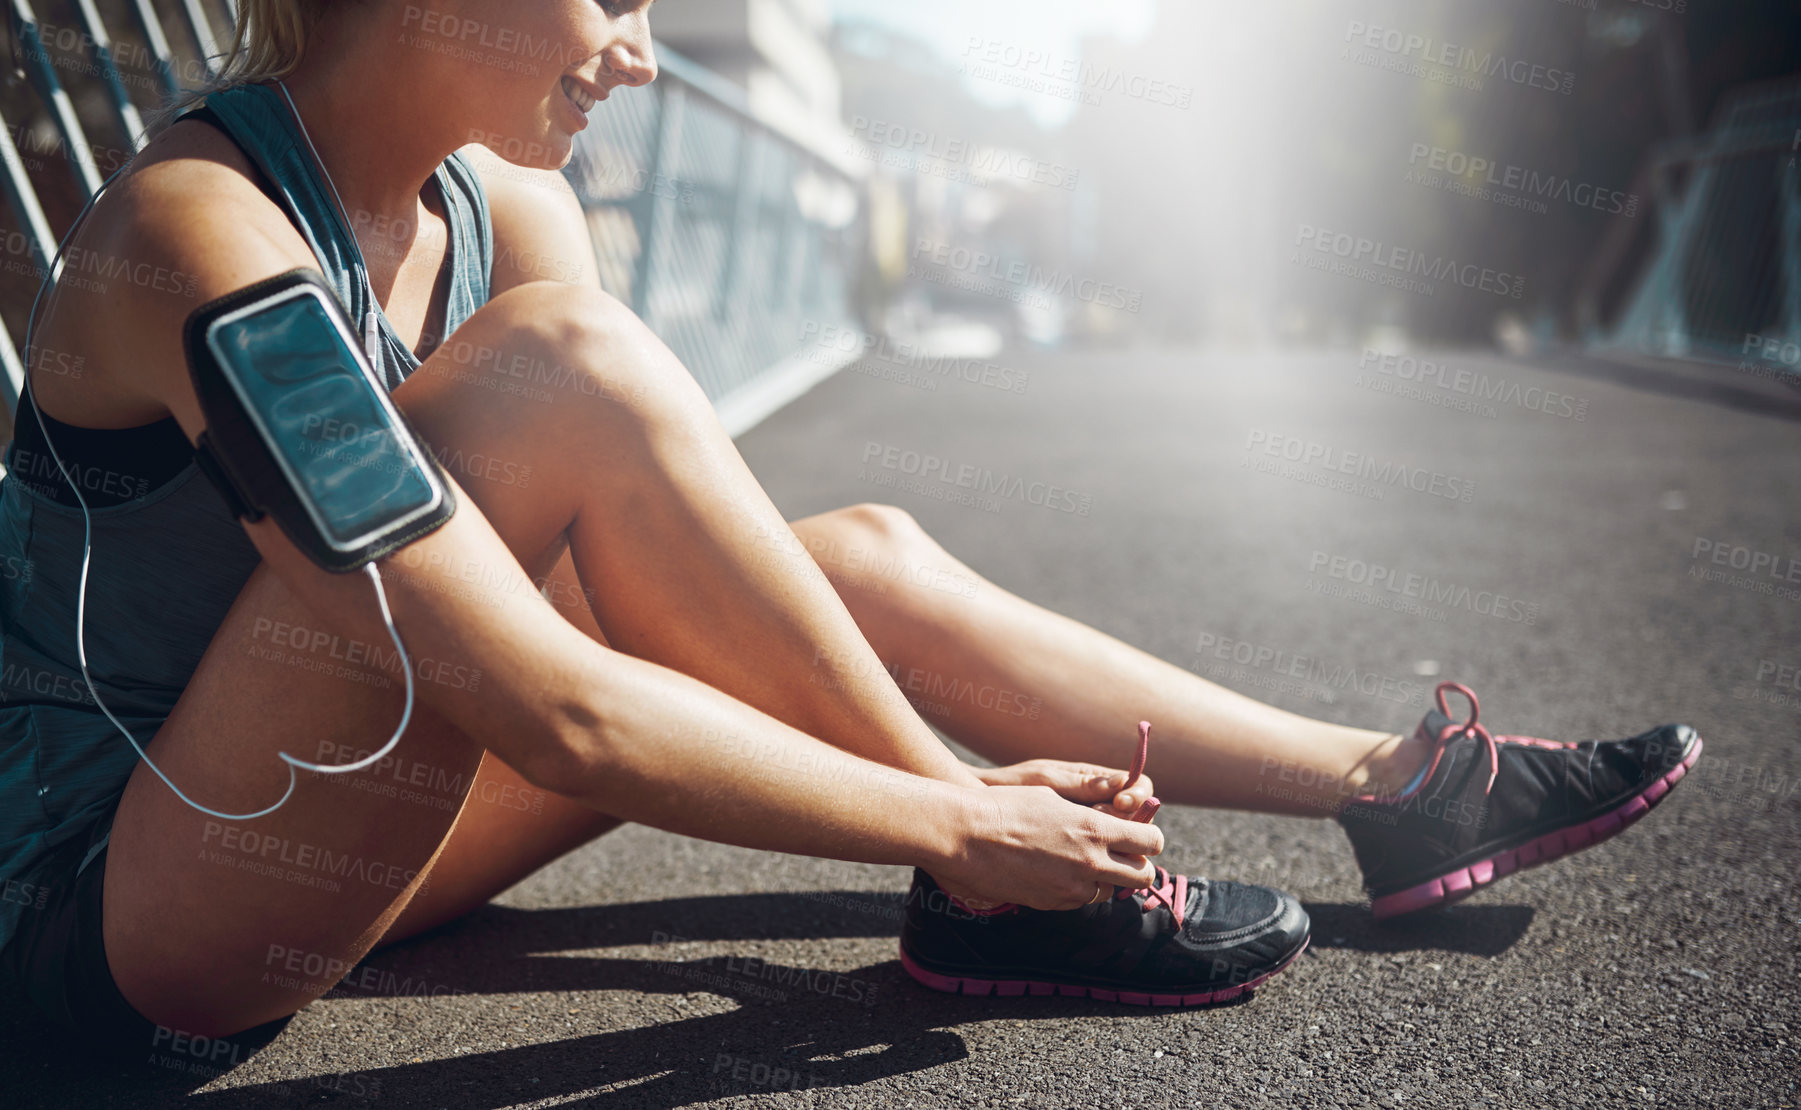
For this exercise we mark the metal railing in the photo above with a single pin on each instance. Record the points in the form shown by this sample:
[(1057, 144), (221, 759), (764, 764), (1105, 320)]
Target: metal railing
[(727, 234), (730, 238), (79, 74), (1716, 276)]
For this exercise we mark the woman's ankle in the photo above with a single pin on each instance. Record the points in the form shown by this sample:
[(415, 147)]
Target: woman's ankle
[(1392, 766)]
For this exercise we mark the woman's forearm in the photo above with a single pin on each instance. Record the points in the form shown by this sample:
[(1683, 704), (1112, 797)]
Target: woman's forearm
[(649, 744), (631, 738)]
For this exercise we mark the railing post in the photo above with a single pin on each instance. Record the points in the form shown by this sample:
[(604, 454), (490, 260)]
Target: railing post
[(794, 235), (744, 211), (38, 239), (12, 381), (152, 27), (127, 112), (57, 100), (24, 201), (661, 217), (203, 34)]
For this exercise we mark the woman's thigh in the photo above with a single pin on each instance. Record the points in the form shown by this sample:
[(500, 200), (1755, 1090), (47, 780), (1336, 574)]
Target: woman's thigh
[(201, 914)]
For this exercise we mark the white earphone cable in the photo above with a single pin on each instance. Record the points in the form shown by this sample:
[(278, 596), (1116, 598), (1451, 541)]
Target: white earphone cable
[(87, 547)]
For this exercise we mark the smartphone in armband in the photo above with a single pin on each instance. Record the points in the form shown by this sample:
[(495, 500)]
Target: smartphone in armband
[(300, 429)]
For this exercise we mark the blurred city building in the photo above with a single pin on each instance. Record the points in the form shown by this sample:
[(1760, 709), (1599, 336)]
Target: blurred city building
[(775, 50), (974, 208)]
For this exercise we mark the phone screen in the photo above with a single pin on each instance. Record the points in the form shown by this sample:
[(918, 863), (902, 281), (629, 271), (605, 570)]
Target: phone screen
[(293, 365)]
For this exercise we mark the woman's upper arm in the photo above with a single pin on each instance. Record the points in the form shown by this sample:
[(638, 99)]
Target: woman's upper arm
[(540, 232), (205, 229), (533, 661)]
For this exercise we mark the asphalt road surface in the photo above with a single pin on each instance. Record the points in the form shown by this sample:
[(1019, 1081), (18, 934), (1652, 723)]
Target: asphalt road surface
[(1658, 969)]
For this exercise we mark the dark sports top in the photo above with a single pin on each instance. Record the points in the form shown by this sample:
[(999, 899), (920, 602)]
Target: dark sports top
[(168, 557)]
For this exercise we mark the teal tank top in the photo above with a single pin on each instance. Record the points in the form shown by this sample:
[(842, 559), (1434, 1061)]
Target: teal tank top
[(166, 565)]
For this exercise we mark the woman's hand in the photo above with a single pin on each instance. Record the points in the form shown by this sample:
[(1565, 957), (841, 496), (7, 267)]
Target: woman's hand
[(1025, 844), (1079, 782)]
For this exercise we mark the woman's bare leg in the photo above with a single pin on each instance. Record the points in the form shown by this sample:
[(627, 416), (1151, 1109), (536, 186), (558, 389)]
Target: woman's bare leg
[(1014, 681), (684, 558), (913, 603), (953, 641)]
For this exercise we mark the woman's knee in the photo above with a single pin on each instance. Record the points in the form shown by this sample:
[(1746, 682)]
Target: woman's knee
[(554, 342), (876, 524), (875, 544), (548, 380), (867, 535)]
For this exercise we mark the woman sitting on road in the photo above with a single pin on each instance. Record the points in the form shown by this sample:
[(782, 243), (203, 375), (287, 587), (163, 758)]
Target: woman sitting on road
[(632, 634)]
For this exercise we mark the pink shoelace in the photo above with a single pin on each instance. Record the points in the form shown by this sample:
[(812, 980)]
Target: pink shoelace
[(1172, 892), (1151, 805), (1449, 733)]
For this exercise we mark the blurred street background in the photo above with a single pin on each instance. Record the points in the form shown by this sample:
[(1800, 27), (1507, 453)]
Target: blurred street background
[(1286, 301)]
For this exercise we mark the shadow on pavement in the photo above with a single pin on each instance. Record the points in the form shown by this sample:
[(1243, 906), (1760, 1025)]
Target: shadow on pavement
[(808, 915), (763, 1046), (1461, 927), (793, 1027)]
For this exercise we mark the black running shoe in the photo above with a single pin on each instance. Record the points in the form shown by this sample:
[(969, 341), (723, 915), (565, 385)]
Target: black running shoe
[(1492, 805), (1184, 942)]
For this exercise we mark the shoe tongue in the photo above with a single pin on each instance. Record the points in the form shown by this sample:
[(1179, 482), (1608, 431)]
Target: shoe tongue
[(1435, 724)]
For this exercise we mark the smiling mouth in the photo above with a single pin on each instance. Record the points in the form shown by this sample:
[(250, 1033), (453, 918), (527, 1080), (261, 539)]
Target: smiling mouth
[(578, 96)]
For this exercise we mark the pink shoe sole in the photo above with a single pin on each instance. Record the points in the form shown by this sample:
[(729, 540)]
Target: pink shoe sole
[(951, 984), (1465, 881)]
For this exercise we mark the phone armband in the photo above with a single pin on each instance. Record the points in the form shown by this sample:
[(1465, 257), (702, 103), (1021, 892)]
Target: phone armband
[(299, 429)]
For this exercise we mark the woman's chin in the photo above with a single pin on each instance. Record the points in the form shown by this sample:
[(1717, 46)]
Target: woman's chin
[(551, 149), (558, 146)]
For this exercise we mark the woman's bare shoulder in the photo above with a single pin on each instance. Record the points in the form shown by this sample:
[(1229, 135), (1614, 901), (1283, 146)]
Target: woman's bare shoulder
[(185, 224), (193, 194), (540, 233)]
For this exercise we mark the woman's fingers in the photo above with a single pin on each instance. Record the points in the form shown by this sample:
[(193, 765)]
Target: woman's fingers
[(1103, 784), (1039, 850), (1128, 846), (1127, 802), (1088, 783), (1084, 782), (1130, 872)]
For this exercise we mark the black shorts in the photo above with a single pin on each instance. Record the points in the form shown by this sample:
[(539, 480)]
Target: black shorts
[(57, 957)]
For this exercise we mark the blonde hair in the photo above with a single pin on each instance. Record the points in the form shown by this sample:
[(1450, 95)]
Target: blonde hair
[(270, 38)]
